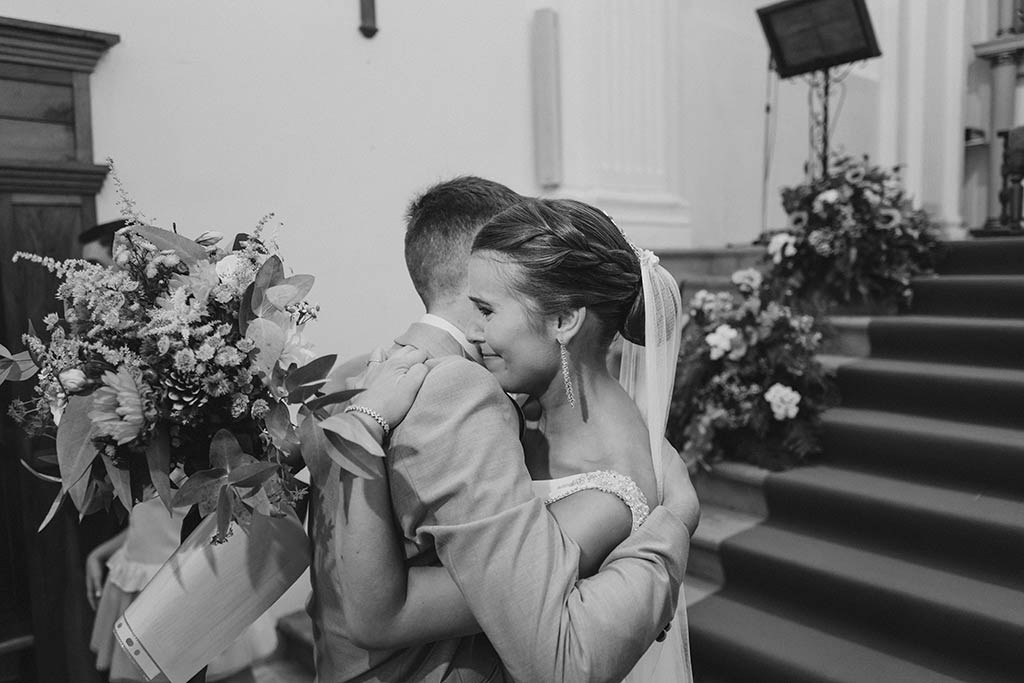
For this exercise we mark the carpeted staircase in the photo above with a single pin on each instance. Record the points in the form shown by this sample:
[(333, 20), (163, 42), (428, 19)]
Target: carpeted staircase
[(900, 557)]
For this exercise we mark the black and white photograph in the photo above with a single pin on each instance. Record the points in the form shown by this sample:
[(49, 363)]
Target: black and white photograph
[(448, 341)]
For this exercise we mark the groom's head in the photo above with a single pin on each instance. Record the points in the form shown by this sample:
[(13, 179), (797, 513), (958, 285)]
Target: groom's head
[(440, 226)]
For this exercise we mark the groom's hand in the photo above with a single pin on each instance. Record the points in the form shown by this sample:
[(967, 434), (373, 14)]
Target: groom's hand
[(680, 496)]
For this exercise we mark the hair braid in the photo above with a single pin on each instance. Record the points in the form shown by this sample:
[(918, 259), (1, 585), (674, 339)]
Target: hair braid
[(572, 255)]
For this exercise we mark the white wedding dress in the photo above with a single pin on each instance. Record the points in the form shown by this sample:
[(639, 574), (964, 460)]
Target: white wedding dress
[(669, 660)]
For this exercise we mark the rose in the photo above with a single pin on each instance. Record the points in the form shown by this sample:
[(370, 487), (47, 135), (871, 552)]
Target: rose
[(721, 340), (748, 279), (781, 246), (783, 401), (73, 380)]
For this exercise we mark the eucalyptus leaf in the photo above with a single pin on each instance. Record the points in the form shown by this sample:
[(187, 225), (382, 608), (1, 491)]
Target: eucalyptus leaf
[(333, 399), (245, 314), (353, 458), (312, 373), (269, 274), (278, 423), (352, 431), (269, 339), (201, 486), (121, 481), (158, 458), (260, 503), (78, 490), (75, 448), (314, 446), (188, 251), (224, 505), (225, 452), (289, 291), (252, 474), (52, 512)]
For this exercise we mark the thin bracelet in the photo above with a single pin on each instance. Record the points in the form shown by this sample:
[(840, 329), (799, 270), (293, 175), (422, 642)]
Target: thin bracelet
[(377, 417)]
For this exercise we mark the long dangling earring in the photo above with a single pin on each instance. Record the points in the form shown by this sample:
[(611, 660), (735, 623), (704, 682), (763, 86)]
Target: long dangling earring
[(564, 353)]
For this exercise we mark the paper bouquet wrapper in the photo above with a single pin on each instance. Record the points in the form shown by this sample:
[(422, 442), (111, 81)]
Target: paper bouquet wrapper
[(206, 594)]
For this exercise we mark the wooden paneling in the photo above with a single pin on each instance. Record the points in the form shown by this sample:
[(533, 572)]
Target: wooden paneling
[(36, 101), (36, 141), (48, 182)]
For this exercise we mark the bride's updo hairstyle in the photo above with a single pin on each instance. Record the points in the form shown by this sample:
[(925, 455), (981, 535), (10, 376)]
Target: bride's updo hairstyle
[(570, 255)]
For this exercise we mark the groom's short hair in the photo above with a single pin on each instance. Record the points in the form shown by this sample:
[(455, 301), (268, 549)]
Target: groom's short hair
[(440, 226)]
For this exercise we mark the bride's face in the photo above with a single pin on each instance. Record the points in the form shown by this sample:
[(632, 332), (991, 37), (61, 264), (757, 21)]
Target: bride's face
[(518, 346)]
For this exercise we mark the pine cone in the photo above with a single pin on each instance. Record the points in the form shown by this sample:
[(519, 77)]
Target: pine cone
[(184, 392)]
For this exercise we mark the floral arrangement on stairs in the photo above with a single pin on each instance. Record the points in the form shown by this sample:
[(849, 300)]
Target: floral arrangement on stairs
[(183, 353), (854, 239), (748, 386)]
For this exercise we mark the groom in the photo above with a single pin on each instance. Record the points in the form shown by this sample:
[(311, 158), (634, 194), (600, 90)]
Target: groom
[(462, 496)]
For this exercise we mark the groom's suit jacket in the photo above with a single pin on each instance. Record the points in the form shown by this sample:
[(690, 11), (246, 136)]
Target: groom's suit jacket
[(461, 494)]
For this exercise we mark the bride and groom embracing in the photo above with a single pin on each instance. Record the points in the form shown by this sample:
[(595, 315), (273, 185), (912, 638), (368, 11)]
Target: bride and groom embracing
[(490, 552)]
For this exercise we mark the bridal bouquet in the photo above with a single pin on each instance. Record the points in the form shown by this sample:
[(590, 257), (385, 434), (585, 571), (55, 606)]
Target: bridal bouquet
[(748, 386), (183, 353), (853, 237)]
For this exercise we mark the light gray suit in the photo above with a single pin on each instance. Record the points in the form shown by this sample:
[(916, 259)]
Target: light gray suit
[(462, 495)]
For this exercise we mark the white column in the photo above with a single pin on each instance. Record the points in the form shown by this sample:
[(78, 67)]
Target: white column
[(622, 122)]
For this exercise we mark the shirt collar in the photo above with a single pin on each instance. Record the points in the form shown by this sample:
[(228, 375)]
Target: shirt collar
[(459, 336)]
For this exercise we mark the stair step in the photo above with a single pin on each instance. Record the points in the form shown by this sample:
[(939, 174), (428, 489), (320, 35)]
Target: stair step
[(740, 638), (999, 296), (930, 450), (847, 335), (990, 255), (295, 634), (716, 525), (724, 261), (690, 284), (696, 589), (948, 339), (966, 393), (734, 486), (909, 601), (972, 530)]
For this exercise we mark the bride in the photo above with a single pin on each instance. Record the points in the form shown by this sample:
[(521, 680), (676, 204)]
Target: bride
[(554, 281)]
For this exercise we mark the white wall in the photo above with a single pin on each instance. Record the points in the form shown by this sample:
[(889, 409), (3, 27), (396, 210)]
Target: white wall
[(219, 112)]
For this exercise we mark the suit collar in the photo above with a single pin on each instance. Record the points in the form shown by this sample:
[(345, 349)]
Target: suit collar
[(433, 340)]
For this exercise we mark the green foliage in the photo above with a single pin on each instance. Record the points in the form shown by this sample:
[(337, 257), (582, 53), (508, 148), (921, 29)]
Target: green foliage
[(748, 387), (853, 238)]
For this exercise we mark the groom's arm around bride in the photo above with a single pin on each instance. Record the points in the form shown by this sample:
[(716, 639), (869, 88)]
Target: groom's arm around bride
[(457, 455)]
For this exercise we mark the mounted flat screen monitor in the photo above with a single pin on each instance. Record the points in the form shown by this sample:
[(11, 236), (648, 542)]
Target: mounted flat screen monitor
[(811, 35)]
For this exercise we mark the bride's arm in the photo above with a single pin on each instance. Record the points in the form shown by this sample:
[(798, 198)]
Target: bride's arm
[(386, 604)]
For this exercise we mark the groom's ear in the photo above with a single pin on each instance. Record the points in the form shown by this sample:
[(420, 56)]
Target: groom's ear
[(568, 323)]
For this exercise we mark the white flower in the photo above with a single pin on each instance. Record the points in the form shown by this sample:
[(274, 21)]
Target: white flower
[(209, 238), (73, 380), (828, 197), (297, 349), (783, 400), (228, 267), (748, 279), (720, 341), (781, 246)]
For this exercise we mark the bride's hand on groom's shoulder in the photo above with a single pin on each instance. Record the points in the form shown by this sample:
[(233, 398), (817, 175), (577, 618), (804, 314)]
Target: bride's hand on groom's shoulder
[(392, 383), (680, 496)]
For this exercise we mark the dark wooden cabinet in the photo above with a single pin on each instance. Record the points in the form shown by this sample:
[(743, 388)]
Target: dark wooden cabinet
[(48, 183)]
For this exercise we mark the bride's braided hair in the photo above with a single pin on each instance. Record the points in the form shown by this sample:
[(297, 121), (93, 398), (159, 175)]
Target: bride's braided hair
[(571, 255)]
